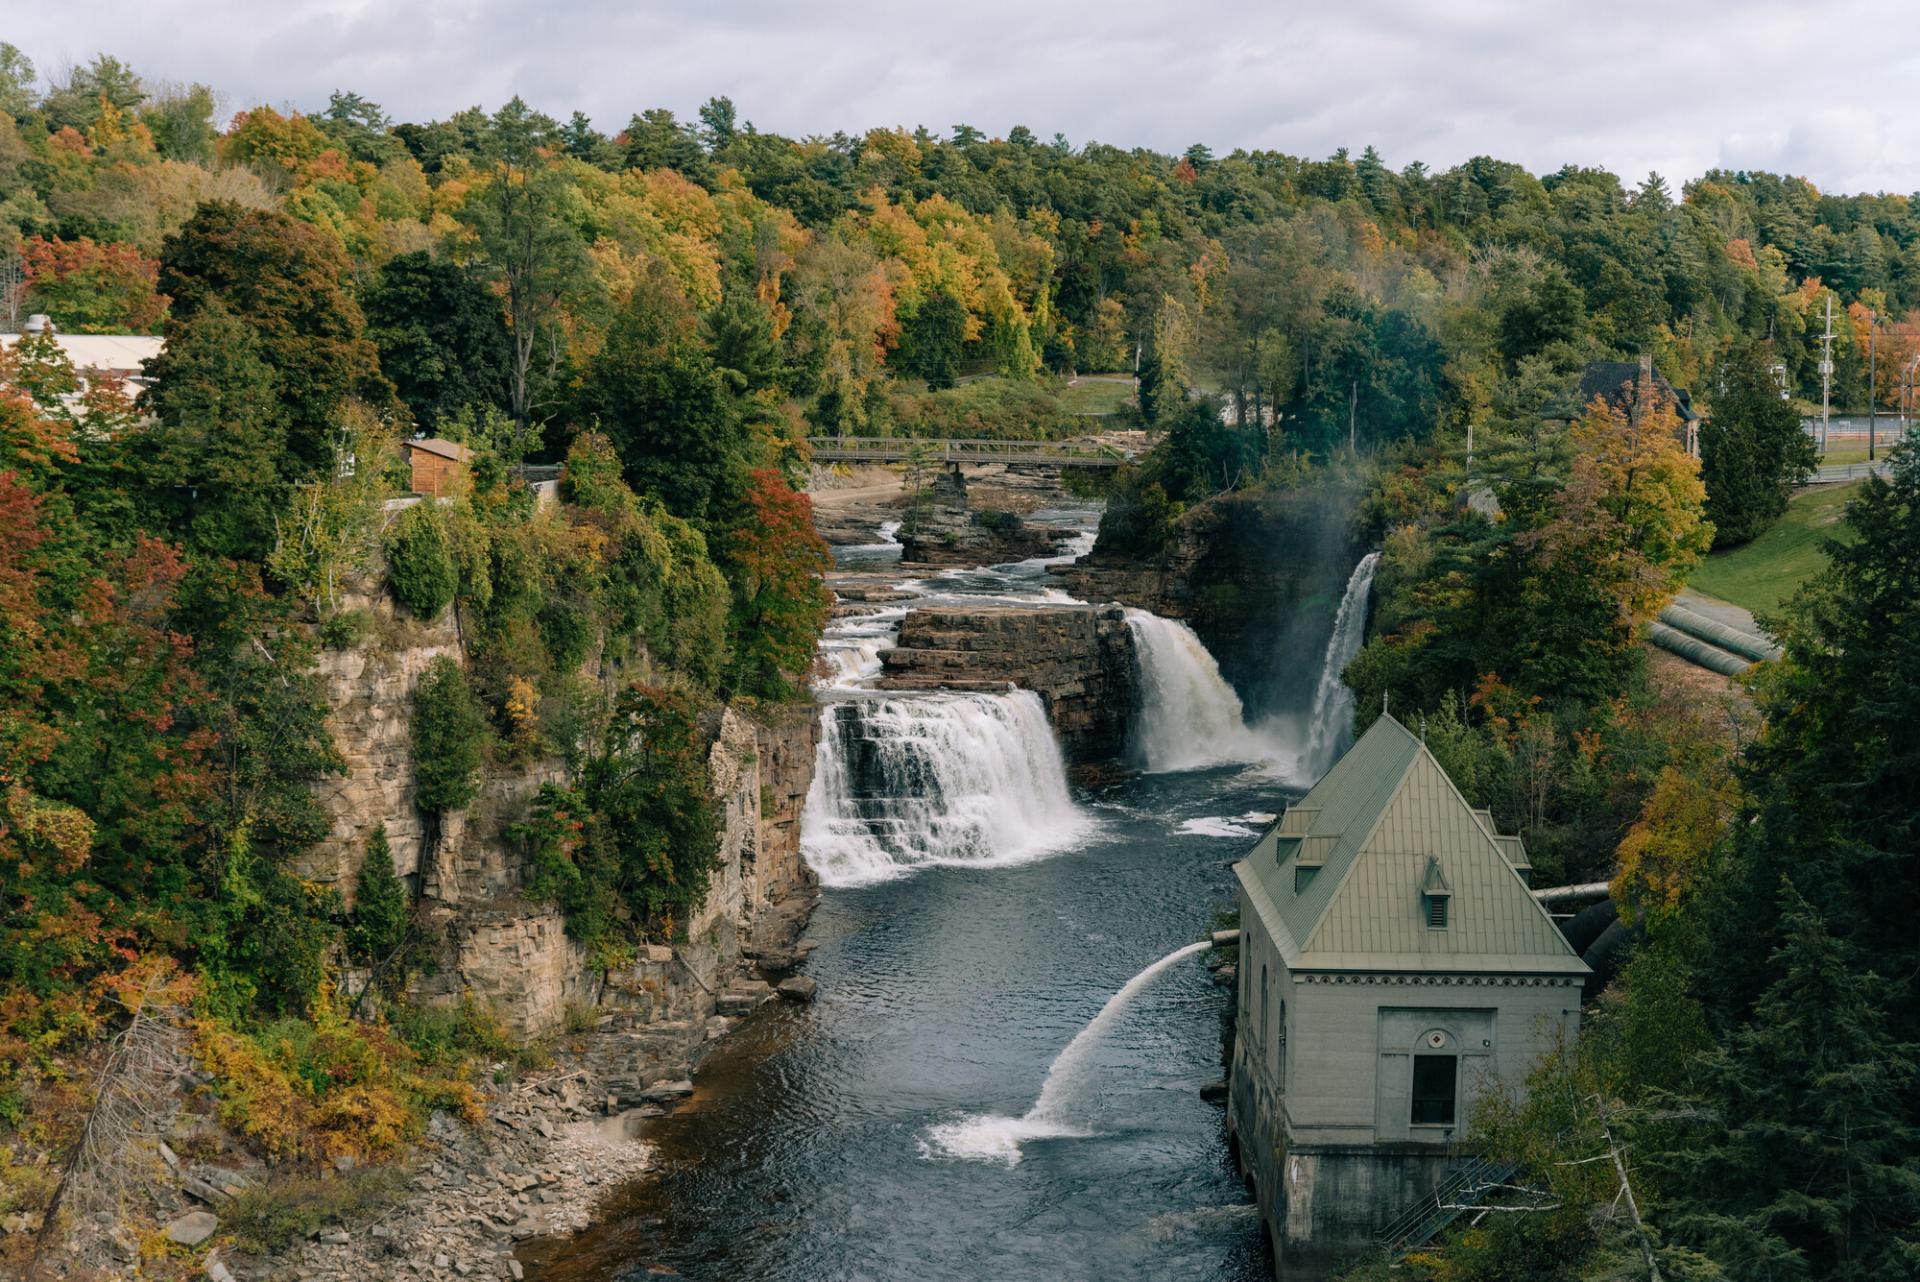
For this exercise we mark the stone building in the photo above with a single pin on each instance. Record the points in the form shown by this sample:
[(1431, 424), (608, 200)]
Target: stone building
[(1393, 966)]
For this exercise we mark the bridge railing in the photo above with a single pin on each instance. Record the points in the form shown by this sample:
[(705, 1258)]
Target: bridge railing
[(895, 449)]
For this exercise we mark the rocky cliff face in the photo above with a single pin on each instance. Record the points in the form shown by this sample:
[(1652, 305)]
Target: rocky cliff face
[(513, 956), (1257, 577), (1078, 659)]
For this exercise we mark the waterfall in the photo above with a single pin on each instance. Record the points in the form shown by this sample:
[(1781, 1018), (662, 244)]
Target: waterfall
[(1330, 727), (999, 1138), (1189, 716), (906, 782)]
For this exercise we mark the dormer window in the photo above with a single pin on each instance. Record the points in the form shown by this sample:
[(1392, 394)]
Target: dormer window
[(1303, 876), (1434, 895)]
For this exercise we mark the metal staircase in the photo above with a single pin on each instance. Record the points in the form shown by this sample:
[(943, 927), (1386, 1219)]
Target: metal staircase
[(1458, 1189)]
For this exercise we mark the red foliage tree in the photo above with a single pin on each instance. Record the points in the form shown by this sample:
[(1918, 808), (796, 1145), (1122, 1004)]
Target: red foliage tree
[(91, 288), (778, 562)]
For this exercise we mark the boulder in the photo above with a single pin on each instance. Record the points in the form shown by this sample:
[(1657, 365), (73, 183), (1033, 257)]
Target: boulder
[(799, 988), (193, 1228)]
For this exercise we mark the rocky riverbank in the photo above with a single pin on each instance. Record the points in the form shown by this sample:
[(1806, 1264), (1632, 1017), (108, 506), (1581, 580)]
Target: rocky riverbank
[(551, 1148)]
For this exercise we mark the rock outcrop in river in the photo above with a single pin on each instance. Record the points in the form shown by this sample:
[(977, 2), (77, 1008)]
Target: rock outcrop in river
[(944, 529), (1078, 659)]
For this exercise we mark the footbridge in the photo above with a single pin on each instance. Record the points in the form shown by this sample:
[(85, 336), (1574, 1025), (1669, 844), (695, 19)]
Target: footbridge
[(898, 449)]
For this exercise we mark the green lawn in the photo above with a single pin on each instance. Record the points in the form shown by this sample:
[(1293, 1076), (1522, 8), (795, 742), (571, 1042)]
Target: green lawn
[(1765, 572), (1095, 395)]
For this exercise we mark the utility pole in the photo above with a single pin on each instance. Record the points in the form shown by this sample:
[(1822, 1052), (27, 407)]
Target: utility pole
[(1826, 374)]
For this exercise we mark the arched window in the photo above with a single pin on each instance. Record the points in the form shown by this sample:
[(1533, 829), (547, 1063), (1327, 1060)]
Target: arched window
[(1266, 997)]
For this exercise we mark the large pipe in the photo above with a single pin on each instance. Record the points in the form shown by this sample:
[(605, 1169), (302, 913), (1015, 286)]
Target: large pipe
[(1225, 938), (1693, 649), (1756, 648), (1567, 894)]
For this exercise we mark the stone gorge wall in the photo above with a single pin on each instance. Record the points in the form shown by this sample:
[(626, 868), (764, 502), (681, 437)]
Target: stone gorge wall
[(1078, 659), (1258, 577), (499, 950)]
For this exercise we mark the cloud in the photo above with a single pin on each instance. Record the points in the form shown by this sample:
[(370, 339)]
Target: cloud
[(1634, 85)]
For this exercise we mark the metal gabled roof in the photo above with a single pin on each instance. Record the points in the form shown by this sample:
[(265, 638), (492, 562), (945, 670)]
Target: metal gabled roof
[(1389, 819)]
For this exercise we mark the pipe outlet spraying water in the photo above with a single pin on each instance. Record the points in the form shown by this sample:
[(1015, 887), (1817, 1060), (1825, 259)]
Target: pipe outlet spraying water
[(1059, 1113)]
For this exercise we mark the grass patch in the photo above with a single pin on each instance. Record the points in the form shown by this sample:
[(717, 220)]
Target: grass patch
[(1096, 396), (1766, 572), (272, 1216)]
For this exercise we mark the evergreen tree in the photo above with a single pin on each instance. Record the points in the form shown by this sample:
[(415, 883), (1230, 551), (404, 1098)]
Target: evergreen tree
[(1753, 450), (449, 738), (212, 460), (933, 339), (1809, 1168), (380, 904)]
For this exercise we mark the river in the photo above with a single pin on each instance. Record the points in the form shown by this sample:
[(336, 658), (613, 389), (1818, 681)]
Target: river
[(889, 1131)]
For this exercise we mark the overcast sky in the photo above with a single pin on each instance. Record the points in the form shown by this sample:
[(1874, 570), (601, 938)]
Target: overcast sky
[(1822, 88)]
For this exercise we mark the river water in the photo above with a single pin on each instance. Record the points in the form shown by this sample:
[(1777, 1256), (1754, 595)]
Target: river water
[(977, 917)]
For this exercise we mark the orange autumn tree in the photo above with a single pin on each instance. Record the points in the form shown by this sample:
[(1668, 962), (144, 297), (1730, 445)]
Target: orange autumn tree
[(93, 288), (780, 598)]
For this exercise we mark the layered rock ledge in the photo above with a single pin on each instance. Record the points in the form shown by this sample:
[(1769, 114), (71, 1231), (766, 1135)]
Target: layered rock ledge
[(1078, 659)]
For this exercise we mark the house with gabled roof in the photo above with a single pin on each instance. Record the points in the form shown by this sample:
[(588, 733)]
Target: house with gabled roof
[(1393, 965)]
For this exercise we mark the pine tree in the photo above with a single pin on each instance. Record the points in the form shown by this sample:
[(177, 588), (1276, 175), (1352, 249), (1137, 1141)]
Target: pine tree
[(380, 905), (1809, 1170), (1752, 448)]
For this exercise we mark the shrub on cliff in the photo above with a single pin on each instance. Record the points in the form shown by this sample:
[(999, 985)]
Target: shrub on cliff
[(627, 852), (420, 566), (449, 738)]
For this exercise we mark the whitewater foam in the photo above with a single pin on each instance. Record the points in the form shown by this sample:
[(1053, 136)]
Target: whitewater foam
[(1189, 716), (1331, 722), (913, 781)]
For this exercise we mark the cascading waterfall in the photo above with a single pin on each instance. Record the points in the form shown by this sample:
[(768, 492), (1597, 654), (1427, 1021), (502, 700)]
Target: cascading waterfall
[(1330, 727), (911, 781), (1053, 1115), (1189, 716)]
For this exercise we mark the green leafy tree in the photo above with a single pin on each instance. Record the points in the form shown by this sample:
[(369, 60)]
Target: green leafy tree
[(668, 410), (524, 239), (1753, 450), (17, 78), (287, 283), (449, 738), (77, 102), (933, 339), (440, 334), (180, 119), (627, 851), (420, 564)]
